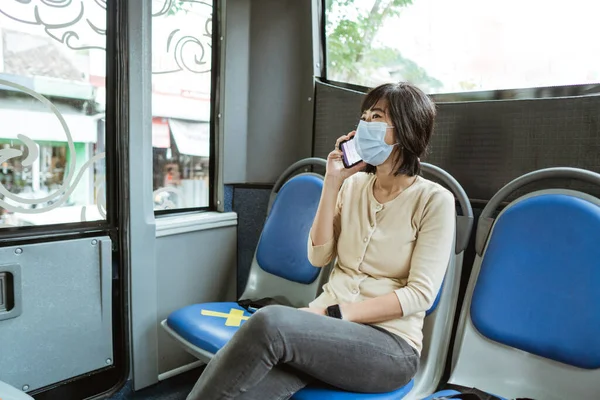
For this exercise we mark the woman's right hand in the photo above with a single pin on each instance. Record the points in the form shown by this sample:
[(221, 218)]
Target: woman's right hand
[(335, 166)]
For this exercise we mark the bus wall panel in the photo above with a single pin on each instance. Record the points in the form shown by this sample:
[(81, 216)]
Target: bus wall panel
[(485, 145), (192, 267)]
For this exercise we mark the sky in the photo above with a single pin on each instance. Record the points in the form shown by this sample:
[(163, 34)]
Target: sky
[(498, 44)]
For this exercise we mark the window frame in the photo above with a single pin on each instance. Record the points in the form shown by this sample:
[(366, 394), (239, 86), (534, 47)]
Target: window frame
[(537, 92), (214, 115), (72, 230), (110, 378)]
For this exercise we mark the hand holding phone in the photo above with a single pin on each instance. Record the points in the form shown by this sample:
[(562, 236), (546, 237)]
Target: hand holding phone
[(344, 160), (350, 157)]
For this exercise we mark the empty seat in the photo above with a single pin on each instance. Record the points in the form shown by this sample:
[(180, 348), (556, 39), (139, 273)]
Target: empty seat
[(281, 270), (530, 323)]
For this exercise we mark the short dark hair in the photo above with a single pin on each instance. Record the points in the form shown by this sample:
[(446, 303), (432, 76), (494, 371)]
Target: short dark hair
[(413, 114)]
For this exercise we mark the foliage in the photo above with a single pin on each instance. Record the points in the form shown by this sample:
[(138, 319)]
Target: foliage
[(178, 6), (353, 54)]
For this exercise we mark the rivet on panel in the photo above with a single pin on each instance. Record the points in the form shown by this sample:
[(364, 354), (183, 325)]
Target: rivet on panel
[(19, 251), (94, 242), (108, 361), (25, 388), (310, 99)]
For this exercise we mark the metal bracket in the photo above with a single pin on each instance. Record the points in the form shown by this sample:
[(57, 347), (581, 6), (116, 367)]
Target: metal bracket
[(10, 291), (3, 292)]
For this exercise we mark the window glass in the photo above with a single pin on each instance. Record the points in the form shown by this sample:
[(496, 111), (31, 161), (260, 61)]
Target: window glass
[(52, 103), (463, 45), (181, 103)]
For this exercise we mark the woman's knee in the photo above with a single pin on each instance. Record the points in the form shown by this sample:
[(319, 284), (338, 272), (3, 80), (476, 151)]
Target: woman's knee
[(264, 328), (269, 318)]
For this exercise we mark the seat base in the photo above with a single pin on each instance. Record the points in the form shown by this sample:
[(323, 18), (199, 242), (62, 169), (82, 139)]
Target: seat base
[(196, 351), (327, 393)]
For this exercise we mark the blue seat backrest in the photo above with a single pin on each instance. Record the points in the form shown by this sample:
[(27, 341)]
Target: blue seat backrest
[(539, 285), (437, 300), (282, 246)]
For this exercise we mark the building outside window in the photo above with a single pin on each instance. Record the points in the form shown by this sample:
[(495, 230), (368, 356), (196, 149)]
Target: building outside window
[(53, 99)]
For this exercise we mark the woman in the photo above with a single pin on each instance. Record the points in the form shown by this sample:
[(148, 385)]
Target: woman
[(392, 233)]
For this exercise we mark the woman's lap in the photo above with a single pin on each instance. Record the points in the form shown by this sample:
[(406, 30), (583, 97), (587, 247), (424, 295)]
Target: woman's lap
[(344, 354), (347, 355)]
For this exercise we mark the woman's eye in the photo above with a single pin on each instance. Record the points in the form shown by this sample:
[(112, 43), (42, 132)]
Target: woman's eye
[(375, 116)]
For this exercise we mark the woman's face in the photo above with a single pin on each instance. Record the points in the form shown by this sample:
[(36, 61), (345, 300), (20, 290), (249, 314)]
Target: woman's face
[(379, 113)]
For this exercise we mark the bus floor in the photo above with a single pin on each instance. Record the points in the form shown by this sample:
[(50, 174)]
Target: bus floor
[(176, 388)]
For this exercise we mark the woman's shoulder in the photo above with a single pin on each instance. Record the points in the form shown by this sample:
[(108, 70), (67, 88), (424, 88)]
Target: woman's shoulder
[(432, 192), (358, 181)]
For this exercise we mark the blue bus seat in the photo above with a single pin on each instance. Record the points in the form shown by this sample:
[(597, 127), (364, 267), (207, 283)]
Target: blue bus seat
[(281, 270), (530, 323), (208, 326), (280, 267)]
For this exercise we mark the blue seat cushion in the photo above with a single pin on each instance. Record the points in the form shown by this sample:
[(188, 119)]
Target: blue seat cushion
[(282, 246), (538, 288), (329, 393), (208, 326), (444, 393)]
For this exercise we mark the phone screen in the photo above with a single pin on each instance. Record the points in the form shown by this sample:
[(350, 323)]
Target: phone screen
[(351, 157)]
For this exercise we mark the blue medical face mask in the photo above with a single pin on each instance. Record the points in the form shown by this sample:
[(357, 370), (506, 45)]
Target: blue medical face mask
[(370, 142)]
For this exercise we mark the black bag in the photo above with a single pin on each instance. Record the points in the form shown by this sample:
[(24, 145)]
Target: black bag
[(467, 393), (253, 305)]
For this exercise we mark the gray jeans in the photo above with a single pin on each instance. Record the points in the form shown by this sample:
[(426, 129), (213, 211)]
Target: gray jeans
[(279, 350)]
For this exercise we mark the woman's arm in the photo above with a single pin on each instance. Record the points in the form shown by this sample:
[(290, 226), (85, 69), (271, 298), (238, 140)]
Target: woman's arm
[(430, 257), (323, 226), (326, 225), (371, 311)]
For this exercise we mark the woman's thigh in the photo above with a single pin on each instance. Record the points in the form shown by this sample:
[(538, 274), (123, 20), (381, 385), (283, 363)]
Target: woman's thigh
[(344, 354), (280, 383)]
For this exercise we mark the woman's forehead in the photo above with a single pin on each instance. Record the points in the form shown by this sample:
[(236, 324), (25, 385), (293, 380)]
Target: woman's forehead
[(381, 105)]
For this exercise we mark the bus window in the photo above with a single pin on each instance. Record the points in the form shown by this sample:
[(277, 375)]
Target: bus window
[(463, 45), (181, 104)]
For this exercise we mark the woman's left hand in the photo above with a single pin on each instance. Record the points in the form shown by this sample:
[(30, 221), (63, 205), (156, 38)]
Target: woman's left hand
[(318, 311)]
